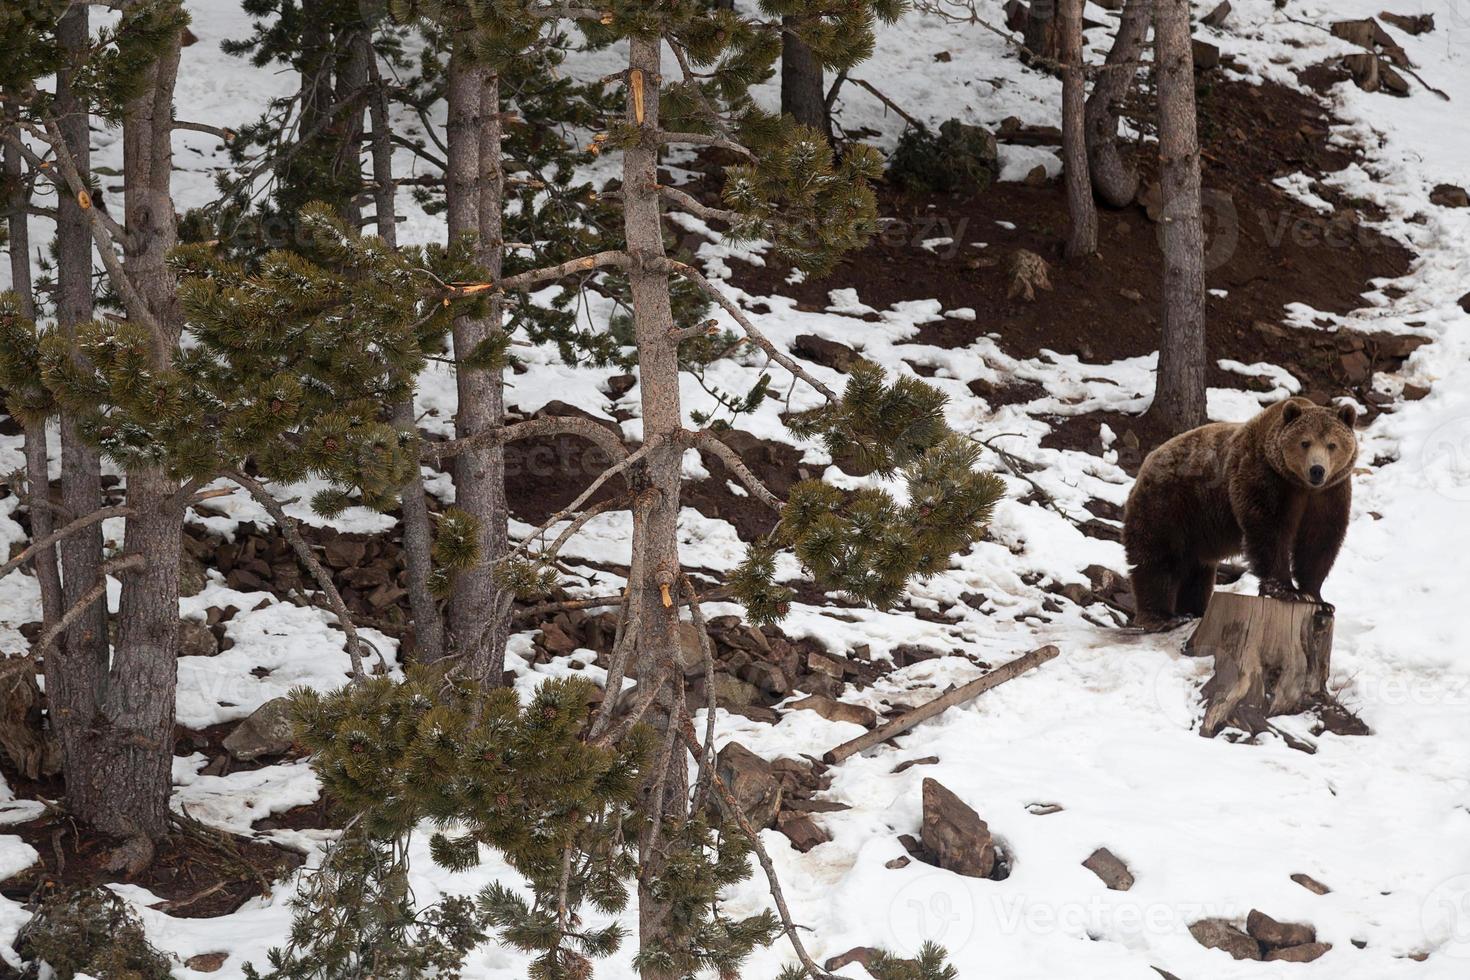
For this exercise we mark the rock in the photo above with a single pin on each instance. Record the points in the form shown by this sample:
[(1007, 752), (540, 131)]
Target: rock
[(268, 731), (825, 663), (1044, 809), (903, 861), (192, 575), (1278, 934), (556, 640), (1132, 295), (1465, 302), (954, 833), (1077, 593), (1305, 953), (861, 955), (206, 962), (816, 806), (1222, 934), (196, 639), (340, 552), (735, 691), (838, 710), (828, 353), (1450, 196), (1310, 884), (801, 829), (620, 384), (1108, 867), (1216, 17), (1029, 272), (768, 677), (1410, 24), (752, 782), (928, 760), (1206, 55)]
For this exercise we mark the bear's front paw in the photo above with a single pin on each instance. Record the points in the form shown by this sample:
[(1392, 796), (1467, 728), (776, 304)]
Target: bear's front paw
[(1283, 592)]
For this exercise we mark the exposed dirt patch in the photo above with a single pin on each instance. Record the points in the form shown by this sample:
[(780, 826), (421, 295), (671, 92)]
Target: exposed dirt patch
[(198, 874)]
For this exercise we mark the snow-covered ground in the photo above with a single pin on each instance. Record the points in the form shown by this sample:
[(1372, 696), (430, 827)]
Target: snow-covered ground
[(1208, 827)]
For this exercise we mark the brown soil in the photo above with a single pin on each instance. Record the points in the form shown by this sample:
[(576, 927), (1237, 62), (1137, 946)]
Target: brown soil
[(198, 873)]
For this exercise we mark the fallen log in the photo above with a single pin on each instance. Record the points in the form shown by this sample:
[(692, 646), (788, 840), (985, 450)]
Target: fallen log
[(1272, 657), (949, 699)]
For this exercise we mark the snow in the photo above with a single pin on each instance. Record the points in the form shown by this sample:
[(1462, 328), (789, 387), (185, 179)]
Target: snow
[(1209, 828)]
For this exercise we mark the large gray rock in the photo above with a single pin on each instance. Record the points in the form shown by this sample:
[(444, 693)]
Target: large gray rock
[(1110, 868), (1225, 935), (954, 833), (753, 783), (1278, 934), (268, 731)]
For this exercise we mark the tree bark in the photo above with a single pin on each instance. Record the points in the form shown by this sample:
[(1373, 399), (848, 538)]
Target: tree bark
[(76, 671), (135, 736), (1041, 38), (478, 621), (803, 92), (655, 532), (1179, 398), (1080, 205), (1113, 179), (37, 444)]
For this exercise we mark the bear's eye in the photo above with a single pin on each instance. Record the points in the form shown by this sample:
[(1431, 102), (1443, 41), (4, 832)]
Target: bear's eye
[(1306, 444), (1331, 446)]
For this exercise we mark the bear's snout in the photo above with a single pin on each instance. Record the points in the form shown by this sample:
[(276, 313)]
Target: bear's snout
[(1317, 475)]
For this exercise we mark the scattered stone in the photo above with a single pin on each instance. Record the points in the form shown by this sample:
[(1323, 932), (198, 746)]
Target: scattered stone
[(1305, 953), (207, 962), (902, 861), (752, 782), (1414, 393), (1224, 935), (825, 663), (1450, 196), (1465, 302), (928, 760), (1132, 295), (954, 833), (1409, 23), (1310, 884), (766, 676), (802, 830), (196, 639), (620, 384), (556, 640), (1206, 55), (816, 806), (828, 353), (268, 731), (1035, 177), (1110, 869), (1278, 934), (1043, 809), (834, 710), (732, 691), (1163, 973), (1218, 16), (192, 575), (341, 552)]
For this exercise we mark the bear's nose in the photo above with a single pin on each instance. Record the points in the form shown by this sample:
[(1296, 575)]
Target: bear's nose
[(1318, 474)]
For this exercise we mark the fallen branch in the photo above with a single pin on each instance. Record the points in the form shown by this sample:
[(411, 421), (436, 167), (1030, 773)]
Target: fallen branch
[(943, 703)]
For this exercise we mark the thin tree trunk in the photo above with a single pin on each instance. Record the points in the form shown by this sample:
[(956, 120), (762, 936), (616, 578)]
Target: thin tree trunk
[(803, 93), (37, 449), (655, 536), (138, 710), (473, 191), (76, 671), (418, 538), (353, 77), (1113, 179), (1083, 210), (1180, 395)]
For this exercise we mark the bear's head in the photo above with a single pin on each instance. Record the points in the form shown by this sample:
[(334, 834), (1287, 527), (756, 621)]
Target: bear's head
[(1315, 446)]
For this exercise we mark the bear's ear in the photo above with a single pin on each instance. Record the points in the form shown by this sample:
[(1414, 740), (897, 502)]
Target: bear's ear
[(1292, 411), (1347, 414)]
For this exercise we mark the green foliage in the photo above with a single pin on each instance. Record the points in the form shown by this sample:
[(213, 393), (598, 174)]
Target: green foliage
[(929, 965), (866, 544), (93, 932), (960, 158), (489, 773), (27, 399)]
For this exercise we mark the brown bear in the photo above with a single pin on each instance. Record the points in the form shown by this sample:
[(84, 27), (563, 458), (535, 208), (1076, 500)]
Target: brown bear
[(1277, 488)]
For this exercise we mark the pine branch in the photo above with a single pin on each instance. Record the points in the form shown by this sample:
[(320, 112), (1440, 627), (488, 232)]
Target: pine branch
[(705, 139), (80, 524), (705, 213), (226, 135), (756, 337), (586, 495), (318, 572), (706, 439), (437, 452)]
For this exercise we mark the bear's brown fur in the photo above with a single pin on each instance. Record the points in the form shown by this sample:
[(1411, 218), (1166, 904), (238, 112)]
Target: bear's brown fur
[(1277, 489)]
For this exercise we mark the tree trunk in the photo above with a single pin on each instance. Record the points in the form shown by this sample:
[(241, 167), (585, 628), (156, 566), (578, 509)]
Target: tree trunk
[(1271, 658), (1114, 180), (1041, 38), (136, 734), (803, 94), (76, 671), (1180, 395), (478, 614), (37, 447), (655, 532), (1080, 205), (352, 79)]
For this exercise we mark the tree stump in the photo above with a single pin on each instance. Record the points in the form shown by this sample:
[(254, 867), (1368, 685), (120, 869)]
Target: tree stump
[(1272, 657)]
